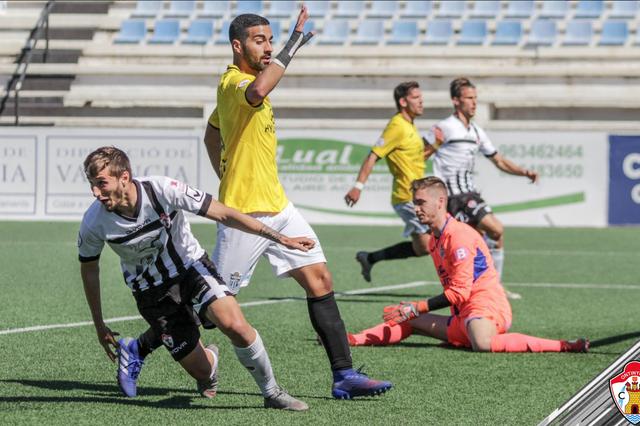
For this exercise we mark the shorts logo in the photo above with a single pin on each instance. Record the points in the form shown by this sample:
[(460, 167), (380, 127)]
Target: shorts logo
[(234, 281), (472, 204), (165, 219), (625, 391), (167, 340)]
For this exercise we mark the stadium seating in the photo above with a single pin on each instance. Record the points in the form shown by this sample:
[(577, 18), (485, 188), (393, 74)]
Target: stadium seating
[(335, 31), (519, 9), (318, 8), (589, 9), (131, 31), (451, 9), (578, 33), (403, 32), (543, 33), (473, 32), (249, 6), (417, 9), (276, 30), (166, 31), (370, 31), (214, 9), (349, 9), (382, 9), (200, 32), (147, 9), (223, 35), (181, 8), (554, 9), (508, 33), (614, 33), (486, 9), (282, 9), (438, 32), (623, 9)]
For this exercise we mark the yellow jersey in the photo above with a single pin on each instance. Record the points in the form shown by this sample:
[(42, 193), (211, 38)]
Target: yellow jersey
[(248, 166), (402, 147)]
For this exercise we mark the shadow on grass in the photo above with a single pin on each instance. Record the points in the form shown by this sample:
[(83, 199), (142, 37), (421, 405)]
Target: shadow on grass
[(614, 339)]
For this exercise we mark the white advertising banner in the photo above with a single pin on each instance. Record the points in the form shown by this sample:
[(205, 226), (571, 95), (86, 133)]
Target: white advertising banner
[(41, 174)]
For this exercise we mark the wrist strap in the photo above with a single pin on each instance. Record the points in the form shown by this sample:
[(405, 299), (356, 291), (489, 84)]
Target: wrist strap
[(358, 185), (296, 41)]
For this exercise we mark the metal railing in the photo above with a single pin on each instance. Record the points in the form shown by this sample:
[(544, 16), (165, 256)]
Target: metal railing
[(24, 59)]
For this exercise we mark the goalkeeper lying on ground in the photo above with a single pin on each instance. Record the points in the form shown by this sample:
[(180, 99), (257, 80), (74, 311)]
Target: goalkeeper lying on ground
[(480, 312)]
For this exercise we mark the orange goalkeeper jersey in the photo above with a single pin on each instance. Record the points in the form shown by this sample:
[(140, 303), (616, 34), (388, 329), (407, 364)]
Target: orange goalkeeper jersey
[(464, 265)]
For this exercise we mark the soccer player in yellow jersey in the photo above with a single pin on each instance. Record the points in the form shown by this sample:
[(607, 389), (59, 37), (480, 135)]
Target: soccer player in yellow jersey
[(241, 143), (403, 148)]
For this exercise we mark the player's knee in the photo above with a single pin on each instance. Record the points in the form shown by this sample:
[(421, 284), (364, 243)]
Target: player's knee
[(482, 345), (236, 328)]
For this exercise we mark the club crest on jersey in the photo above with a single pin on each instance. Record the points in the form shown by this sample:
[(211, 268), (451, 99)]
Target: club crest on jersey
[(625, 392), (234, 281), (167, 340), (165, 219)]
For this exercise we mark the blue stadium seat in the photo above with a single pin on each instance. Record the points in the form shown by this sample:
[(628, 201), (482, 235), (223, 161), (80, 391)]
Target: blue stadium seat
[(623, 9), (554, 9), (614, 33), (308, 26), (382, 9), (276, 30), (181, 8), (349, 9), (508, 33), (403, 32), (223, 35), (439, 31), (451, 9), (519, 9), (200, 32), (416, 9), (131, 31), (335, 31), (317, 8), (249, 6), (578, 33), (542, 33), (589, 9), (147, 9), (486, 9), (214, 9), (282, 9), (473, 32), (370, 31), (166, 31)]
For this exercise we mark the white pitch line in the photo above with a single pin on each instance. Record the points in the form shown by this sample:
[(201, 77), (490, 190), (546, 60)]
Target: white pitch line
[(338, 294)]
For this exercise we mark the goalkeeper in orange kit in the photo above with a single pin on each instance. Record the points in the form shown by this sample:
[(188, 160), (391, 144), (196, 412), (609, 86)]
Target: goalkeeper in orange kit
[(480, 312)]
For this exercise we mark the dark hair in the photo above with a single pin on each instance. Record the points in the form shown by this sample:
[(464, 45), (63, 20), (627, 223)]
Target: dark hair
[(240, 24), (429, 182), (456, 86), (107, 156), (402, 90)]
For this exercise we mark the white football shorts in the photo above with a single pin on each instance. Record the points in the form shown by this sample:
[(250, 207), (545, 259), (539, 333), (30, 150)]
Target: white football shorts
[(412, 225), (236, 253)]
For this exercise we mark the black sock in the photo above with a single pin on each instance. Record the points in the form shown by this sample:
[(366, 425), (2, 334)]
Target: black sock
[(147, 342), (399, 251), (326, 321)]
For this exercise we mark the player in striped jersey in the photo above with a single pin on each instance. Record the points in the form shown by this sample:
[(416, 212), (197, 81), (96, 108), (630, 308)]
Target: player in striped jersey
[(454, 143), (170, 275)]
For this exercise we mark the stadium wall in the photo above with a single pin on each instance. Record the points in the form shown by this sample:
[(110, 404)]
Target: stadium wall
[(586, 179)]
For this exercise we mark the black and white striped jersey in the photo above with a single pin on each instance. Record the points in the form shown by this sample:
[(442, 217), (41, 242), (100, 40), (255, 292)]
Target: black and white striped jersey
[(154, 245), (454, 160)]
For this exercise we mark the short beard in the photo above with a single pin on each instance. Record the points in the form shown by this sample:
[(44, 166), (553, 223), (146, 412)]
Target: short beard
[(256, 66)]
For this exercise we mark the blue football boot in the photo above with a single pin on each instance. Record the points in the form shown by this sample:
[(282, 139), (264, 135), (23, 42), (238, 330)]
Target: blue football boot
[(350, 383), (129, 366)]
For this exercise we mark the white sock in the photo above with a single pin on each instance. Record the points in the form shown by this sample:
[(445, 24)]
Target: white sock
[(498, 260), (215, 361), (256, 359)]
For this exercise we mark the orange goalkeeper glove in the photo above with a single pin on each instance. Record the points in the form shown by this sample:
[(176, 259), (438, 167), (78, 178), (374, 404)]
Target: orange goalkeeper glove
[(405, 311)]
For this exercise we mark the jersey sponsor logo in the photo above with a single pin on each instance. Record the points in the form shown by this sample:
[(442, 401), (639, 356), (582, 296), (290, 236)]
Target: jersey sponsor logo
[(243, 83), (193, 193), (461, 253), (625, 392), (167, 340)]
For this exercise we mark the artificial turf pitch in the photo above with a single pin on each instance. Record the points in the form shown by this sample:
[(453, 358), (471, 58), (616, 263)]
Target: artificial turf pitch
[(574, 282)]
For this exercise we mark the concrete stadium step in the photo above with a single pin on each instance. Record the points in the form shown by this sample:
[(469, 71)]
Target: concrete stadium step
[(56, 56), (81, 7), (68, 33), (35, 110)]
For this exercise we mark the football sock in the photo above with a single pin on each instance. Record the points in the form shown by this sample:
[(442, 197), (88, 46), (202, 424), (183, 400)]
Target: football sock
[(399, 251), (516, 342), (326, 321), (382, 335), (256, 359), (148, 342), (214, 361), (498, 260)]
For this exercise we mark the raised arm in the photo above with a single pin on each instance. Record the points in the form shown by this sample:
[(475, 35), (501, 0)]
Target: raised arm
[(90, 273), (267, 80), (213, 142), (512, 168), (353, 195)]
